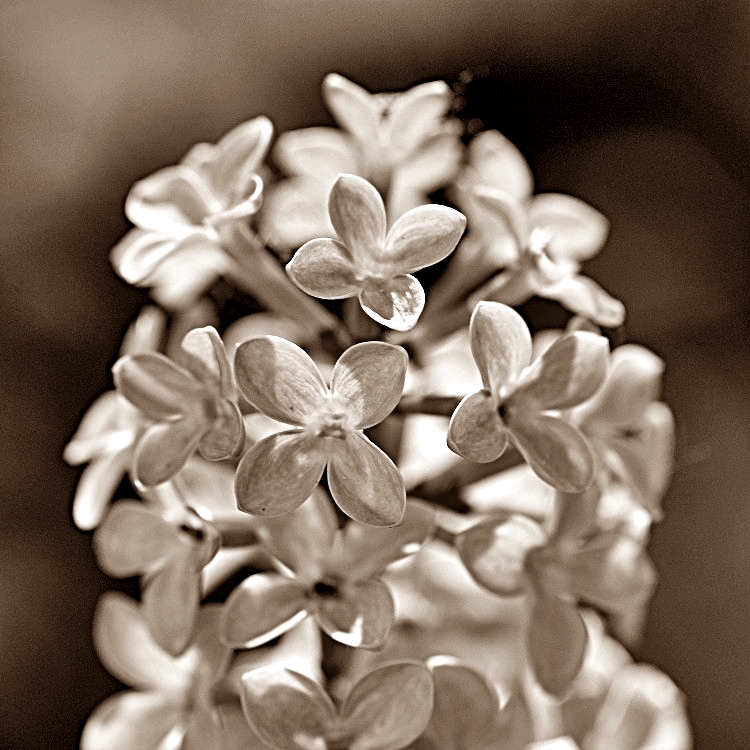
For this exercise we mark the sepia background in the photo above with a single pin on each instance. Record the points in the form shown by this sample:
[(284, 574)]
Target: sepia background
[(640, 108)]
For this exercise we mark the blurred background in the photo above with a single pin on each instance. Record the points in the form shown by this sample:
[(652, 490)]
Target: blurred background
[(640, 108)]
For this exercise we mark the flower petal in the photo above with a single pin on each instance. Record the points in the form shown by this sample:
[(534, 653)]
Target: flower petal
[(369, 379), (499, 164), (355, 109), (578, 231), (96, 487), (476, 431), (358, 216), (279, 379), (287, 710), (397, 303), (569, 371), (164, 449), (320, 152), (203, 354), (583, 296), (323, 268), (360, 615), (279, 473), (226, 437), (556, 451), (556, 642), (422, 237), (416, 113), (494, 551), (364, 482), (500, 344), (137, 255), (389, 707), (262, 607)]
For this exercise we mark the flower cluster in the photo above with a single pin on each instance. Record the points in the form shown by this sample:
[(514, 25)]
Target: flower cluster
[(385, 511)]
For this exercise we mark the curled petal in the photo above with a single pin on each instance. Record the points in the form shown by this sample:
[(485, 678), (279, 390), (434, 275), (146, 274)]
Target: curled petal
[(360, 615), (139, 253), (499, 164), (358, 216), (287, 710), (355, 109), (571, 370), (262, 607), (585, 297), (369, 379), (397, 303), (164, 449), (205, 357), (505, 210), (279, 379), (364, 482), (96, 487), (389, 707), (279, 473), (416, 113), (500, 344), (226, 437), (323, 268), (476, 431), (422, 237), (556, 452), (578, 231), (494, 551)]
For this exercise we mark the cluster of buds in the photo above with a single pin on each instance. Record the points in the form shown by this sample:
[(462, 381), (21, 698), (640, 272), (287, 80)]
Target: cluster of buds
[(371, 506)]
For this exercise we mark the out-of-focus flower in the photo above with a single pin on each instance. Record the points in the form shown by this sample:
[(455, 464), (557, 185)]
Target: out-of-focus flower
[(168, 546), (172, 701), (402, 143), (181, 214), (518, 401), (330, 573), (629, 428), (386, 709), (281, 471), (193, 404), (108, 431), (372, 262)]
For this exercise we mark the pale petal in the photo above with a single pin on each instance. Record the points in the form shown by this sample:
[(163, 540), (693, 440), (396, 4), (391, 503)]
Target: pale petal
[(279, 379), (499, 164), (569, 371), (358, 216), (320, 152), (494, 551), (364, 482), (556, 642), (96, 487), (389, 707), (287, 710), (397, 304), (171, 201), (203, 354), (279, 473), (355, 109), (132, 539), (323, 268), (139, 253), (226, 437), (262, 607), (164, 449), (369, 380), (170, 601), (476, 431), (583, 296), (416, 113), (207, 660), (359, 615), (500, 344), (422, 237), (130, 720), (155, 384), (555, 450), (505, 209), (578, 231)]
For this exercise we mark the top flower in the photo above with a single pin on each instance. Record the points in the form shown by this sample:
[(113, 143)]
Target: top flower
[(371, 262)]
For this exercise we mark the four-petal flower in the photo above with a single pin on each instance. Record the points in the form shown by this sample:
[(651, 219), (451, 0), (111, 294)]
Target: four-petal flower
[(280, 472)]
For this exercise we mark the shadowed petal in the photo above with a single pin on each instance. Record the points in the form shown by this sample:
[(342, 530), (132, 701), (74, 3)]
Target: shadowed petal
[(287, 710), (358, 216), (556, 452), (500, 344), (397, 304), (476, 431), (262, 607), (203, 354), (226, 438), (389, 707), (364, 482), (369, 379), (571, 370), (324, 269), (585, 297), (279, 379), (164, 449), (279, 473), (422, 237), (359, 615), (139, 253)]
